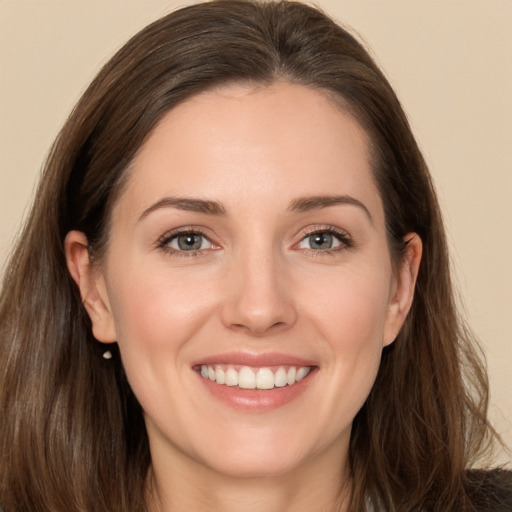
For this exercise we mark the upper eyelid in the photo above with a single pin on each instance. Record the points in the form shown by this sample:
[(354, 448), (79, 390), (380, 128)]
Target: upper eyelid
[(173, 233), (324, 229), (321, 227), (343, 235)]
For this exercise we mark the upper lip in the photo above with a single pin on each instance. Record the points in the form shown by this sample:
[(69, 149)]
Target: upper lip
[(254, 360)]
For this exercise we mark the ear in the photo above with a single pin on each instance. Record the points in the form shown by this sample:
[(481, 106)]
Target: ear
[(402, 291), (91, 283)]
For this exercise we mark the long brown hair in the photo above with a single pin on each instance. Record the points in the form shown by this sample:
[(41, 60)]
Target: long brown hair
[(72, 435)]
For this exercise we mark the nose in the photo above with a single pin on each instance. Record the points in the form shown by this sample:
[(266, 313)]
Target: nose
[(259, 296)]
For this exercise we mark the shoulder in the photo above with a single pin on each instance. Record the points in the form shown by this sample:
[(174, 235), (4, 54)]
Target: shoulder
[(490, 491)]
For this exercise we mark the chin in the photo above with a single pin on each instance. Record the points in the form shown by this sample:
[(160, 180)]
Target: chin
[(268, 466), (268, 454)]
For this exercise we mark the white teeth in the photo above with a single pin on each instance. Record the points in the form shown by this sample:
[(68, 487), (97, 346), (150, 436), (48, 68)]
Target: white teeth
[(280, 378), (264, 378), (252, 378), (301, 373), (231, 377), (220, 376), (292, 372), (246, 378)]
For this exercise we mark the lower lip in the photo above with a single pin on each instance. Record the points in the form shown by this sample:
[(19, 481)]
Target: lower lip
[(257, 400)]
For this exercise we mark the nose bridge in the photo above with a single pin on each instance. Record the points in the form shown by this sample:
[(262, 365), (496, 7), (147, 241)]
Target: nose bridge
[(258, 299)]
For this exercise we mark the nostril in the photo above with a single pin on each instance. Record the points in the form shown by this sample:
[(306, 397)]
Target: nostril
[(256, 306), (259, 329)]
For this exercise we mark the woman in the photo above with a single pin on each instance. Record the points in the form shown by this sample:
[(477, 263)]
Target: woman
[(233, 290)]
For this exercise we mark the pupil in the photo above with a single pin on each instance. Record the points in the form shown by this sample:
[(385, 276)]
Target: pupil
[(189, 242), (321, 241)]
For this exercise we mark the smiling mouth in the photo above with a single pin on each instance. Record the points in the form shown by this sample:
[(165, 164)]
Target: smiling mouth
[(247, 377)]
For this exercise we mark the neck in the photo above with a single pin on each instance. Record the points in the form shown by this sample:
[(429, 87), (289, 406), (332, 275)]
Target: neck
[(195, 487)]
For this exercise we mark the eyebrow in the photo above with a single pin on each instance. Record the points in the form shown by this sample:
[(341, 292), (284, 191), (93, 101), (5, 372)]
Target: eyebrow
[(187, 204), (305, 204), (208, 207)]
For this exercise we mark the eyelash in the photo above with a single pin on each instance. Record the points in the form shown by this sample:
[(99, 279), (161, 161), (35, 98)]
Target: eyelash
[(343, 238), (165, 240), (346, 241)]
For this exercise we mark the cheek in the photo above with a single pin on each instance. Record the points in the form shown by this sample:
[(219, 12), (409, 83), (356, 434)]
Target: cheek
[(157, 318), (156, 311), (351, 320), (350, 307)]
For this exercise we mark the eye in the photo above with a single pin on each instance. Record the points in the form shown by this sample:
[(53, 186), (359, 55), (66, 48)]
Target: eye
[(186, 241), (325, 240)]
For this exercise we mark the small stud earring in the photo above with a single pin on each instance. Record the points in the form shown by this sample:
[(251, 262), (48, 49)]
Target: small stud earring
[(107, 355)]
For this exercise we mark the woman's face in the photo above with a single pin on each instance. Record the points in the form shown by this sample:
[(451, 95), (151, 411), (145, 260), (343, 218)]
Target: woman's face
[(249, 246)]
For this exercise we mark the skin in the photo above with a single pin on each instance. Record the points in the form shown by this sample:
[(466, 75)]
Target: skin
[(256, 286)]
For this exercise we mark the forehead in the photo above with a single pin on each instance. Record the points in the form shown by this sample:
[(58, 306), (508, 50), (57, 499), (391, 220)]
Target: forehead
[(257, 114), (256, 143)]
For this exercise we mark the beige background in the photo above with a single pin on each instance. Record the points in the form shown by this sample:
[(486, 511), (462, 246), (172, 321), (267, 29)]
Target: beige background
[(450, 62)]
